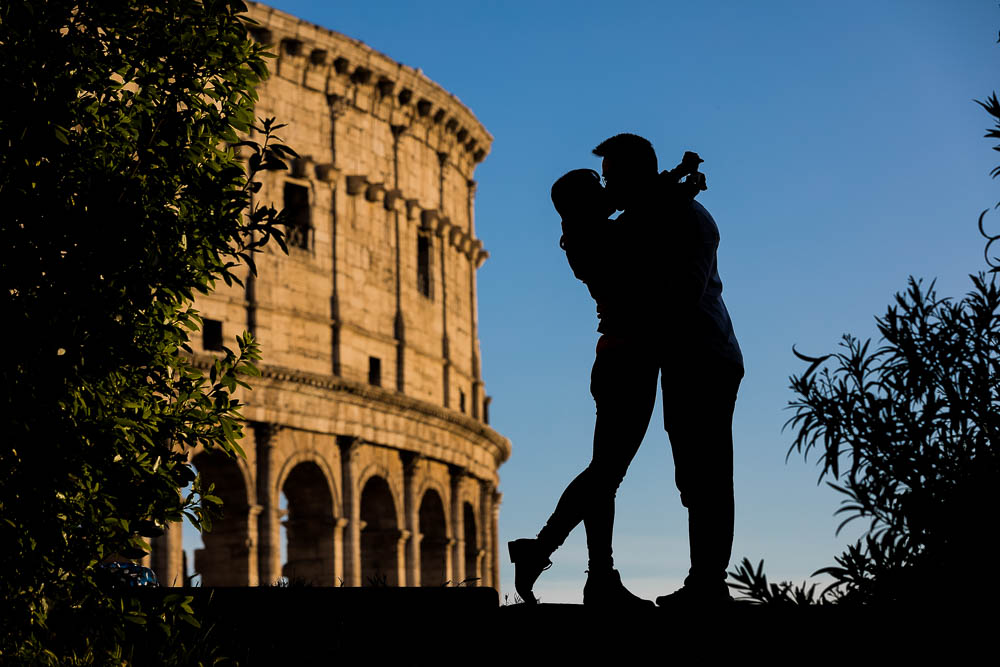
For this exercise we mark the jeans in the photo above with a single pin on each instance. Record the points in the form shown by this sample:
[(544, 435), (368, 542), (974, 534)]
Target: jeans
[(698, 400)]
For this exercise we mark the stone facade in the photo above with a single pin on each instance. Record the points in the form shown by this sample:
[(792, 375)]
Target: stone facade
[(371, 416)]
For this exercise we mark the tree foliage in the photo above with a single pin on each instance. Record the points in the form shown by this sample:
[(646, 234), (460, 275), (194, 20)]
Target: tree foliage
[(122, 195), (909, 433), (992, 106)]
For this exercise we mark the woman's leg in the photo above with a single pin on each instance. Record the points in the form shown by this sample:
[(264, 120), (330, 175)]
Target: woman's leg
[(623, 383)]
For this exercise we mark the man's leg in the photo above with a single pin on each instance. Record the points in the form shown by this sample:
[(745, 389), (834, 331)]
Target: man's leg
[(623, 383), (698, 416)]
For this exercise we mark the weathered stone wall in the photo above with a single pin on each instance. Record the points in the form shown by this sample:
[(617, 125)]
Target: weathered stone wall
[(370, 416)]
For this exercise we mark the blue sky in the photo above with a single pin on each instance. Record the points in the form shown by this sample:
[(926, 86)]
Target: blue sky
[(843, 152)]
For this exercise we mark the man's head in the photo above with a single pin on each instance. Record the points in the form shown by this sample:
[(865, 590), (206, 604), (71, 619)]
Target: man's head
[(629, 168)]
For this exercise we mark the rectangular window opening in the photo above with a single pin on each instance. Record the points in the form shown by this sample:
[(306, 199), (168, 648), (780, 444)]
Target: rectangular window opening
[(375, 371), (461, 400), (211, 334), (424, 265), (297, 224)]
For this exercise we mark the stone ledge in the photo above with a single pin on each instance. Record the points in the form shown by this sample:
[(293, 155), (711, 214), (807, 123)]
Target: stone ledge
[(304, 625), (320, 626), (377, 395)]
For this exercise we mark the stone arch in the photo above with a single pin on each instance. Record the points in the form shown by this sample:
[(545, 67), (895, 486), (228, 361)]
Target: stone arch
[(380, 533), (430, 484), (228, 558), (310, 525), (297, 458), (434, 541), (472, 546), (379, 470)]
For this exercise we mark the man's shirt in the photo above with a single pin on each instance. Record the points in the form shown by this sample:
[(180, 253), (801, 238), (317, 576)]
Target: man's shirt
[(655, 276), (712, 328)]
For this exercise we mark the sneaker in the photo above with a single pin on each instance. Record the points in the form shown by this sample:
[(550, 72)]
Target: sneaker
[(607, 590), (687, 597), (529, 562)]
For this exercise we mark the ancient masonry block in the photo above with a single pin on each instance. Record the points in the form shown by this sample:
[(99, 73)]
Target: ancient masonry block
[(371, 416)]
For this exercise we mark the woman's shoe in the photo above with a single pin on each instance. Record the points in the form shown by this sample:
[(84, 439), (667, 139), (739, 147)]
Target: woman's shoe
[(529, 562), (606, 589)]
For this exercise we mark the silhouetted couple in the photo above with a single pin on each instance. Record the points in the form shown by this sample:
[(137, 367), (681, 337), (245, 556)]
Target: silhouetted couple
[(654, 276)]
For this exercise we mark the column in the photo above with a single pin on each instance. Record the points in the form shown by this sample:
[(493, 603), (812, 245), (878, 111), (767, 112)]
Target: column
[(168, 555), (458, 573), (352, 509), (399, 330), (338, 551), (268, 521), (485, 532), (401, 542), (412, 515), (445, 351), (491, 555), (477, 376), (252, 539)]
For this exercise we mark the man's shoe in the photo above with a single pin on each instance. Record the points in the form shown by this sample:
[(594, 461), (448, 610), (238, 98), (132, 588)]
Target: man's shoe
[(696, 597), (607, 590), (529, 562)]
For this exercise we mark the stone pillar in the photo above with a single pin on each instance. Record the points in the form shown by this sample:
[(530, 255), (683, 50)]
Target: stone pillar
[(487, 519), (251, 541), (399, 329), (411, 513), (449, 561), (480, 560), (168, 555), (230, 554), (477, 376), (458, 573), (445, 351), (268, 522), (401, 542), (491, 554), (338, 107), (352, 508), (338, 550)]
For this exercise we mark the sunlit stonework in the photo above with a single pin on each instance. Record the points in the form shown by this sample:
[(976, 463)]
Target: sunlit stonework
[(371, 416)]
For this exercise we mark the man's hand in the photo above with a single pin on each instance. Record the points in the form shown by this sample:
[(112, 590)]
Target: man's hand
[(689, 163)]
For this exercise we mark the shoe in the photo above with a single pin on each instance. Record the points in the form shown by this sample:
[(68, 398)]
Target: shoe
[(529, 562), (607, 590), (696, 597)]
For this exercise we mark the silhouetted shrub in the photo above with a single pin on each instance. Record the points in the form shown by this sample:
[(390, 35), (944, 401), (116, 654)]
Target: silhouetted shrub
[(910, 434), (121, 195)]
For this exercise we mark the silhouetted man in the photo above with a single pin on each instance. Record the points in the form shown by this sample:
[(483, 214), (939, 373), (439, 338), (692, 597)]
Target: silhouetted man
[(660, 304), (680, 325)]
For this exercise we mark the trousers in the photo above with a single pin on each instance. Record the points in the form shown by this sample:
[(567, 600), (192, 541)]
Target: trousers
[(699, 397)]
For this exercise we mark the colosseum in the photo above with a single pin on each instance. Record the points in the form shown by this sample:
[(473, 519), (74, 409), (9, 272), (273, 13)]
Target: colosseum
[(370, 419)]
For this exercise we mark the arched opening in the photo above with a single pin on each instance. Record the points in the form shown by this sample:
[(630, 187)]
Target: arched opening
[(472, 548), (309, 527), (434, 541), (380, 535), (225, 558)]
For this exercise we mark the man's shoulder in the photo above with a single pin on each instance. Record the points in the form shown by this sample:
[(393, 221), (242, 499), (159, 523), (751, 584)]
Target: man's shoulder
[(699, 209), (705, 222)]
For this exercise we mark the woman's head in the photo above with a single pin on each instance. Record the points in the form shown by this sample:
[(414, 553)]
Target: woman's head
[(578, 194)]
